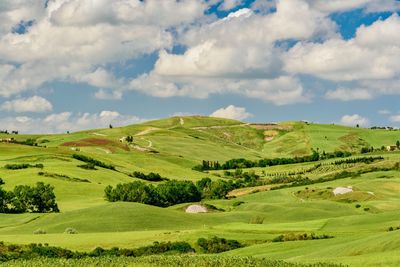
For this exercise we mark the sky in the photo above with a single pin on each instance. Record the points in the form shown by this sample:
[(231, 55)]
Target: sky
[(69, 65)]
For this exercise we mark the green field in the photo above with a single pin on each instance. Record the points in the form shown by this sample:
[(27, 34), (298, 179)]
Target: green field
[(358, 221)]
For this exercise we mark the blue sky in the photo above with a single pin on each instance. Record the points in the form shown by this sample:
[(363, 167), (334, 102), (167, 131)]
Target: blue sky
[(72, 65)]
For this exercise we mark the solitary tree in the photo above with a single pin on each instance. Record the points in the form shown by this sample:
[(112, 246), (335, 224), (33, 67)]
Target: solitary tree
[(398, 144)]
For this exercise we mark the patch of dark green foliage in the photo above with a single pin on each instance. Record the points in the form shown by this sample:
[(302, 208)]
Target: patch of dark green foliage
[(93, 161), (12, 252), (63, 177), (152, 177), (23, 166), (393, 228), (89, 166), (297, 237), (174, 192), (164, 195), (217, 245), (24, 198), (245, 163), (366, 160)]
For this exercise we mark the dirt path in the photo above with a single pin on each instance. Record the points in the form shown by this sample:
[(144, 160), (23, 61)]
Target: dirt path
[(220, 126), (104, 150), (250, 190), (147, 131), (150, 143), (301, 200), (99, 134)]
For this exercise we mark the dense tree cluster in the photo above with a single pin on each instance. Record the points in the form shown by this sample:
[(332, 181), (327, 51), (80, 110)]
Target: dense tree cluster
[(175, 192), (24, 198), (164, 195), (245, 163), (152, 177), (93, 161), (217, 245)]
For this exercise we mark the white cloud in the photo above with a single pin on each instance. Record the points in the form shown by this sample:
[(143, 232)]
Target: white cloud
[(371, 55), (69, 39), (395, 118), (232, 112), (244, 53), (67, 121), (108, 94), (349, 94), (32, 104), (280, 91), (345, 5), (246, 63), (353, 120)]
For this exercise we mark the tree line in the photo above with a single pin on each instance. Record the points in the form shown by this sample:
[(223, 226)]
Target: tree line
[(23, 166), (93, 161), (31, 251), (174, 192), (366, 160), (24, 198), (152, 177), (242, 163)]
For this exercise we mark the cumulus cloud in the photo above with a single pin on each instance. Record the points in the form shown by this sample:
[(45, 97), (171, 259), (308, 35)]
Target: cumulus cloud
[(353, 120), (371, 55), (31, 104), (395, 118), (348, 94), (280, 91), (248, 62), (69, 39), (232, 112), (248, 53), (67, 121)]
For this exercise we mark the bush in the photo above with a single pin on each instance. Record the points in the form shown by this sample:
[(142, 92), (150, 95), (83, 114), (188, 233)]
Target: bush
[(89, 166), (358, 206), (22, 166), (217, 245), (23, 198), (297, 237), (237, 203), (93, 161), (39, 231), (71, 231), (257, 220), (152, 177)]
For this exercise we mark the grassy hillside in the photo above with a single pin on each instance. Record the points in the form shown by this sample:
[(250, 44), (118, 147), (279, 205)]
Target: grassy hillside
[(358, 221)]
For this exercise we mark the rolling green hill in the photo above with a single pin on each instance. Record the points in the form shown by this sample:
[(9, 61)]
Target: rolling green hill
[(172, 147)]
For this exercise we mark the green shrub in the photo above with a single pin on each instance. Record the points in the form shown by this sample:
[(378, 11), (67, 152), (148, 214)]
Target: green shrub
[(257, 220), (237, 203), (71, 231), (93, 161), (39, 231), (217, 245)]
